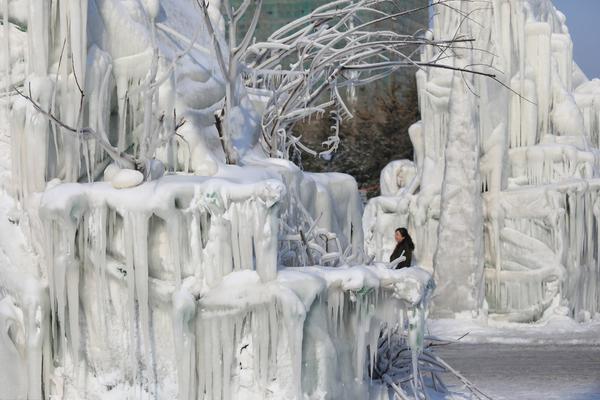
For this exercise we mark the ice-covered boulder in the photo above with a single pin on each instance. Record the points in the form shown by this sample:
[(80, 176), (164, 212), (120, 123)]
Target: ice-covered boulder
[(110, 172), (126, 178)]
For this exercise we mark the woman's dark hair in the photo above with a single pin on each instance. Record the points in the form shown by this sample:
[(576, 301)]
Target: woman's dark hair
[(406, 236)]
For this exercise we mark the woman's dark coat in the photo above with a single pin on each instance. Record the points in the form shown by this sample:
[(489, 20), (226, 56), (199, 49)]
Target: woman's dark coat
[(406, 247)]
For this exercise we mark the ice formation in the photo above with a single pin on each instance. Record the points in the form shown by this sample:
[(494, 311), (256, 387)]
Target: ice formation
[(513, 161), (135, 262)]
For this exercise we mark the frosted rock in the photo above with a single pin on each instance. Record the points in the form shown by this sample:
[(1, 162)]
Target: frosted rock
[(126, 178)]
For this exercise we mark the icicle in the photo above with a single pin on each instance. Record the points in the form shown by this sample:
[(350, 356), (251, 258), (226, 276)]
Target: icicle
[(265, 239), (72, 283), (219, 261), (97, 244), (129, 249), (7, 66), (294, 315), (196, 241), (235, 219), (139, 227), (175, 246), (184, 309)]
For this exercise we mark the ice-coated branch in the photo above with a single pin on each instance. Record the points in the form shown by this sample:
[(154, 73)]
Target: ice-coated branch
[(211, 32), (394, 366), (337, 45), (124, 160), (86, 133), (311, 244), (243, 45), (229, 64)]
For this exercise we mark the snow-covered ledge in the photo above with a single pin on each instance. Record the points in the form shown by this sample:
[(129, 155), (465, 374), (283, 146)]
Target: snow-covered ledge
[(173, 288)]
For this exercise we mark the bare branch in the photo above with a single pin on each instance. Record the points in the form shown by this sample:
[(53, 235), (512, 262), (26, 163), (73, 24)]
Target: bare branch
[(86, 133), (243, 45), (326, 50), (211, 32)]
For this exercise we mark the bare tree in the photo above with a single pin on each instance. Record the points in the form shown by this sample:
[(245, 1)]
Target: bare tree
[(336, 46), (229, 60)]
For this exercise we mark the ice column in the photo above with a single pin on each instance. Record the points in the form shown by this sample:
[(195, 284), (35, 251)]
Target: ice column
[(458, 262)]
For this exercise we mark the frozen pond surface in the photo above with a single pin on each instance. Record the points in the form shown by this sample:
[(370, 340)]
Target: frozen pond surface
[(529, 372)]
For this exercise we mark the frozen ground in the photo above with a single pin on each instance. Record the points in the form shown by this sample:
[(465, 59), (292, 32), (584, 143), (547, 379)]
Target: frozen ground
[(529, 372), (556, 358), (556, 330)]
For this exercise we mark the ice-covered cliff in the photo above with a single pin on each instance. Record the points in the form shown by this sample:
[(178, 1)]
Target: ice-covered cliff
[(134, 261), (513, 161)]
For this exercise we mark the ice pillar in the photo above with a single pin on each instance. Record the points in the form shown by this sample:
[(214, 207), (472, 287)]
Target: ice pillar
[(458, 262)]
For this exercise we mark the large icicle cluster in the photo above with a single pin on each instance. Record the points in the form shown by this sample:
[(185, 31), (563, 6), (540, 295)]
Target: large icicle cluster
[(191, 263), (515, 161), (134, 262)]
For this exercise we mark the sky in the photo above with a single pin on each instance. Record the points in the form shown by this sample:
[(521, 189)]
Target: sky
[(584, 25)]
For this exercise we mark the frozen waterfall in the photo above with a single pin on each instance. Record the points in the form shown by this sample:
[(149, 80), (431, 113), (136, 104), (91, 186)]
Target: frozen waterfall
[(536, 206)]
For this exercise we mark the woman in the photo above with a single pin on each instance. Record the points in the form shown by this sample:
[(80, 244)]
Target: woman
[(404, 247)]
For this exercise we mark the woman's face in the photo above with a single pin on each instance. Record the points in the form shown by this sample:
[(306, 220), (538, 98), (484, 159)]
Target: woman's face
[(398, 236)]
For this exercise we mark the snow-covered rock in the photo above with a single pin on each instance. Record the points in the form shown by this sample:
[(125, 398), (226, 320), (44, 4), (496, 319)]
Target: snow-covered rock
[(126, 178), (110, 172)]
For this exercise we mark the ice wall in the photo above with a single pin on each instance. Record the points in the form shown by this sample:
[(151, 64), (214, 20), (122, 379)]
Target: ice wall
[(536, 128), (173, 289), (134, 262)]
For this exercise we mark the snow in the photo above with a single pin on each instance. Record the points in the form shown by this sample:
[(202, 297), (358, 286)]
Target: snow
[(532, 372), (558, 330)]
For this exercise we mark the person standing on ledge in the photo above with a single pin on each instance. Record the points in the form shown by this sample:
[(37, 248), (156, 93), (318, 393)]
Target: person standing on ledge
[(404, 248)]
